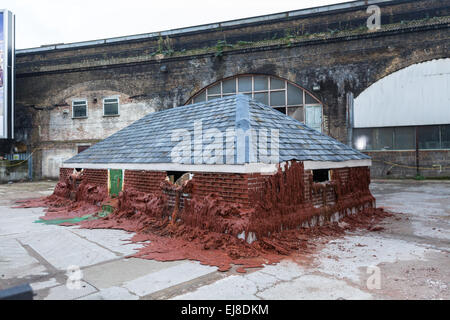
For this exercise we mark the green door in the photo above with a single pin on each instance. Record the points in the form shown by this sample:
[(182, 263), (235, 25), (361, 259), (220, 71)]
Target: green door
[(115, 182)]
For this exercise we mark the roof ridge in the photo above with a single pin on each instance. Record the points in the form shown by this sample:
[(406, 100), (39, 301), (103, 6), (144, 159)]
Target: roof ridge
[(189, 106)]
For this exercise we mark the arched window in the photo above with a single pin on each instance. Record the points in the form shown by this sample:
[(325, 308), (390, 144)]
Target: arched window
[(281, 94)]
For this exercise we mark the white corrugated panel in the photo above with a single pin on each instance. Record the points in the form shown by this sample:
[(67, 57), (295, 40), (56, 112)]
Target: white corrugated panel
[(416, 95)]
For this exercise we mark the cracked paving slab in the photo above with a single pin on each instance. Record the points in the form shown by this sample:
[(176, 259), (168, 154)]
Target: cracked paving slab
[(314, 287), (351, 256), (112, 293), (117, 241), (231, 288), (167, 277), (246, 287), (116, 273), (15, 261), (63, 249)]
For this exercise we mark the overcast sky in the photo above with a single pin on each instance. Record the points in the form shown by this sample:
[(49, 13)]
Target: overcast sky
[(41, 22)]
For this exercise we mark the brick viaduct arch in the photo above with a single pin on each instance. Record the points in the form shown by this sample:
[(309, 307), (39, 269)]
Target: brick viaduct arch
[(332, 49)]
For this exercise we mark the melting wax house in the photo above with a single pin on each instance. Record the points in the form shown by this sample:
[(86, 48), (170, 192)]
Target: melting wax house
[(246, 153)]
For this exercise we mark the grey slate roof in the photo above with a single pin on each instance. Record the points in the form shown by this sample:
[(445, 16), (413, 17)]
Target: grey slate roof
[(149, 140)]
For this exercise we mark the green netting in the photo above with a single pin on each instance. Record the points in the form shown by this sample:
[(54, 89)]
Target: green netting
[(71, 221), (106, 211)]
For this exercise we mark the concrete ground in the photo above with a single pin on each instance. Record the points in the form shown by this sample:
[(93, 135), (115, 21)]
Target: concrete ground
[(409, 259)]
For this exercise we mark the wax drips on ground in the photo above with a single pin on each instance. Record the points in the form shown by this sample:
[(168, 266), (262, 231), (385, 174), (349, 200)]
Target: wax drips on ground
[(208, 229)]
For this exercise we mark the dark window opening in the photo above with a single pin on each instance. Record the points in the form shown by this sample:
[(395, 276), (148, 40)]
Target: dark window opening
[(404, 138), (429, 137), (82, 148), (322, 175), (445, 136), (384, 139)]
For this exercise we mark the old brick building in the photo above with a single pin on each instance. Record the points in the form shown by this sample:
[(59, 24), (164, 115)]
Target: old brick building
[(237, 149), (307, 63)]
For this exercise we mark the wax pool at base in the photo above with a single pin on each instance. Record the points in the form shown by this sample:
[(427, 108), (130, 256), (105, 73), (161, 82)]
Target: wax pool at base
[(207, 229)]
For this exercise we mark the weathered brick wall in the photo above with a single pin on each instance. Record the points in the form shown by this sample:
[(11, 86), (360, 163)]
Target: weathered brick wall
[(401, 164), (144, 181), (240, 189), (397, 11), (46, 81), (233, 188), (321, 196), (64, 173), (97, 177), (343, 173), (256, 182), (92, 176)]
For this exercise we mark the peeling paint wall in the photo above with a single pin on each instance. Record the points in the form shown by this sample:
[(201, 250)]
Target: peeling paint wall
[(96, 126), (62, 128), (52, 160)]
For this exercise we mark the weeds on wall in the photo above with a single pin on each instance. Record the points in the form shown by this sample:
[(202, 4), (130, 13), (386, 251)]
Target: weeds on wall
[(220, 47), (165, 47), (288, 39)]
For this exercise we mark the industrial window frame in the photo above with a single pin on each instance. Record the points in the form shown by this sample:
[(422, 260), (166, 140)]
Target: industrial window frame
[(416, 130), (73, 108), (282, 108), (118, 106)]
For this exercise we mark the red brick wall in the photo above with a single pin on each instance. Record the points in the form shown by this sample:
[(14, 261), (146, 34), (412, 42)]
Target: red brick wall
[(314, 194), (97, 177), (256, 183), (64, 173), (343, 173), (382, 166), (319, 199), (233, 188), (321, 195), (144, 181)]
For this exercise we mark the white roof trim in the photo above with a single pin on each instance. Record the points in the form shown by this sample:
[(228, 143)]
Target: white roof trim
[(245, 168), (315, 165)]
